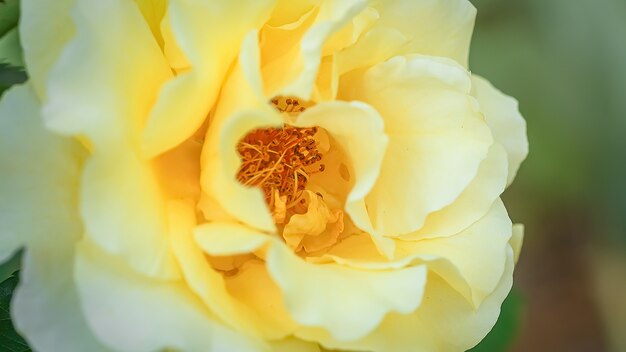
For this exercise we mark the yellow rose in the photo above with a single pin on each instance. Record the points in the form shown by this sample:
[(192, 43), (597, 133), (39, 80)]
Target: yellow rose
[(256, 175)]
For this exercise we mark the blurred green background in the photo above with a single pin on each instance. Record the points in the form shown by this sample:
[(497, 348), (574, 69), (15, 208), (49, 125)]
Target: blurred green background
[(565, 61)]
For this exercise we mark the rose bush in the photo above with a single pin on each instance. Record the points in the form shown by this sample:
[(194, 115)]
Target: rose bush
[(256, 175)]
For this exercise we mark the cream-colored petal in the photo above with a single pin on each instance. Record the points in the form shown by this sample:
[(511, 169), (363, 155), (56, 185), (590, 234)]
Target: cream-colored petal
[(350, 303), (201, 278), (316, 229), (505, 121), (94, 90), (38, 210), (45, 28), (477, 253), (293, 344), (358, 131), (221, 239), (124, 211), (517, 240), (473, 203), (445, 321), (155, 314), (302, 64), (46, 308), (253, 287), (452, 258), (431, 27), (288, 12), (375, 46), (198, 27), (240, 110), (437, 137), (153, 12), (220, 164), (39, 174)]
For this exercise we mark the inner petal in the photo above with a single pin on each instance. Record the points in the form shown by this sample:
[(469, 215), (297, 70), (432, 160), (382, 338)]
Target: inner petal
[(282, 162)]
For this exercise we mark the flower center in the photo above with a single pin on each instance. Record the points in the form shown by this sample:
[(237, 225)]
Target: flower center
[(280, 160)]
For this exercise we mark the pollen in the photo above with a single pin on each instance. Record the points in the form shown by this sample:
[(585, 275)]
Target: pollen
[(280, 162)]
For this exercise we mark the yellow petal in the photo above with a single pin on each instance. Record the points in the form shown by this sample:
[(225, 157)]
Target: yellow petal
[(40, 171), (437, 28), (111, 106), (205, 282), (517, 239), (477, 253), (124, 211), (358, 131), (351, 302), (45, 28), (287, 12), (177, 319), (240, 110), (221, 239), (317, 229), (302, 64), (153, 12), (506, 123), (294, 344), (221, 163), (437, 137), (186, 100), (473, 203), (253, 287), (445, 321)]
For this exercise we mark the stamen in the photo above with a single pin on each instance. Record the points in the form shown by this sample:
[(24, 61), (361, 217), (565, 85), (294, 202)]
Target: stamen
[(280, 162)]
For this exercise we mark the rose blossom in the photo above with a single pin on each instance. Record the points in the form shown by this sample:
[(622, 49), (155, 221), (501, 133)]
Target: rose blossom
[(256, 175)]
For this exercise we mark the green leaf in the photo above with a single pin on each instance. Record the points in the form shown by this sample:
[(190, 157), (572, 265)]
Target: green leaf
[(502, 335), (10, 340), (9, 15), (10, 266), (10, 48)]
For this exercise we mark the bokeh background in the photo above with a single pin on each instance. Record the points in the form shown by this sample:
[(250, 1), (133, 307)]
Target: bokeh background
[(565, 61)]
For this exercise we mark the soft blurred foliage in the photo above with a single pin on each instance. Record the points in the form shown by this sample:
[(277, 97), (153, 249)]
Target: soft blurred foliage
[(565, 61)]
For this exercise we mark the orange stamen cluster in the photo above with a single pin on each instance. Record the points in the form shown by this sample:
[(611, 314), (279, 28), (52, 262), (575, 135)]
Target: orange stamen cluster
[(288, 105), (279, 159)]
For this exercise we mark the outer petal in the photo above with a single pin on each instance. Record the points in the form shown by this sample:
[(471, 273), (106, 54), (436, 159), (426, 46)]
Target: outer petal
[(478, 253), (96, 92), (38, 209), (437, 137), (45, 28), (39, 174), (454, 258), (428, 27), (445, 321), (156, 314), (46, 307), (198, 27), (121, 200), (473, 203), (124, 211), (506, 123), (351, 302)]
